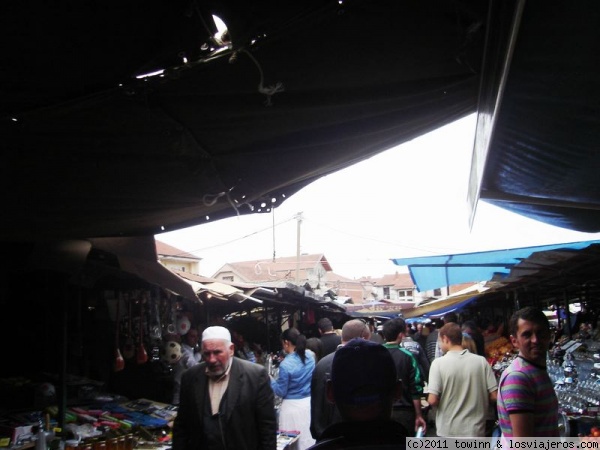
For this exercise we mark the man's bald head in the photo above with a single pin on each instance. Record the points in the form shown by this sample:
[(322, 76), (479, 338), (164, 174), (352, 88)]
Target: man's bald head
[(353, 329)]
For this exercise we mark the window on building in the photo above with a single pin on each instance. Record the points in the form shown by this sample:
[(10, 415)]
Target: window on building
[(228, 278), (386, 292), (405, 294)]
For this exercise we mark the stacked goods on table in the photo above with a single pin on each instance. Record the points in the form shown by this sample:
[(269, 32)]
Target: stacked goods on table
[(499, 353)]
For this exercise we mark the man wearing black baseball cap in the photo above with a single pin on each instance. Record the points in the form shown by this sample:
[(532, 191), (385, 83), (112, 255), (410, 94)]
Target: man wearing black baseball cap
[(363, 385)]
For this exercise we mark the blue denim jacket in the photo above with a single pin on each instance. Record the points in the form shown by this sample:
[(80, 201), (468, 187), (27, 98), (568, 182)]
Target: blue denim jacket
[(293, 381)]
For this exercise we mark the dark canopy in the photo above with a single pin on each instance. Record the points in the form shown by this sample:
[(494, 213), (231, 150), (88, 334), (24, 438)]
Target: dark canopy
[(299, 90), (539, 113), (92, 151)]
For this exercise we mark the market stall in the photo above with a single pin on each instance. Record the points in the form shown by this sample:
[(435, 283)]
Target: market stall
[(87, 321), (97, 327), (562, 280)]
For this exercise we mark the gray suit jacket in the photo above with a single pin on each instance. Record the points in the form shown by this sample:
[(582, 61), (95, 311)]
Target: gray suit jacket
[(248, 418)]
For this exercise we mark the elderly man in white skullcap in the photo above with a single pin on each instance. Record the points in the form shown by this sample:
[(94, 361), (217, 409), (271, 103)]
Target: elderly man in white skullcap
[(225, 402)]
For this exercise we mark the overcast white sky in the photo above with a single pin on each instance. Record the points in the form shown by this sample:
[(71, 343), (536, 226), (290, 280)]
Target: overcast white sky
[(408, 201)]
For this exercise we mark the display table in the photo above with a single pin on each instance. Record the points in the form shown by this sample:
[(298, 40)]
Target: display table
[(287, 441), (147, 422)]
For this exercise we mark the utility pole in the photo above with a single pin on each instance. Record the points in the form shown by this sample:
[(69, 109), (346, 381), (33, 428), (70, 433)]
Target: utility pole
[(298, 218)]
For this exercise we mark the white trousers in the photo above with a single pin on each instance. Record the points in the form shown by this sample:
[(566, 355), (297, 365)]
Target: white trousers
[(294, 415)]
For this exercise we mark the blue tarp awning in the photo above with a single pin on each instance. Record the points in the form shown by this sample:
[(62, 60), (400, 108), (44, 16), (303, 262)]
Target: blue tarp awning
[(431, 272)]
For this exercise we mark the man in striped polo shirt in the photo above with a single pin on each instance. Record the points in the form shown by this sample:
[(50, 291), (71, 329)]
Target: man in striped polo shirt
[(527, 402)]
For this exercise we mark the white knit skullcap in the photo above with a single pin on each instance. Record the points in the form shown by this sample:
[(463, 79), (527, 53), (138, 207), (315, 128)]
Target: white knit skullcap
[(216, 333)]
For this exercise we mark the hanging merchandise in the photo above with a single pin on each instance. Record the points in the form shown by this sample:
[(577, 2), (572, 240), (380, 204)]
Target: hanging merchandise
[(170, 328), (155, 331), (119, 363), (171, 352), (129, 346), (141, 356), (310, 316), (183, 325)]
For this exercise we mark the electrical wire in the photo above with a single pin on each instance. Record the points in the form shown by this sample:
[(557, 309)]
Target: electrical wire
[(222, 244), (436, 251)]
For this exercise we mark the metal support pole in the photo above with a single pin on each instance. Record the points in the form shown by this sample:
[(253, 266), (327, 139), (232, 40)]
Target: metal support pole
[(299, 219)]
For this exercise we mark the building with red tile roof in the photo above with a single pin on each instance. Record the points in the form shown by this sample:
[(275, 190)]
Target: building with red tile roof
[(177, 259)]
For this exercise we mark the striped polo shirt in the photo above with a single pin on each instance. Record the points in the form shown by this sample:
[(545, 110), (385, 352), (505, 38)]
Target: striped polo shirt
[(526, 387)]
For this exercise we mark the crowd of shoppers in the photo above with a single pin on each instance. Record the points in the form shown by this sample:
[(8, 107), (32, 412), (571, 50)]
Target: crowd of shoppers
[(229, 402)]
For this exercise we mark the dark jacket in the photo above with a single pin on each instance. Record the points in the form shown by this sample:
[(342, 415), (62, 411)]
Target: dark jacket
[(419, 353), (247, 411), (322, 412), (330, 343), (377, 434), (407, 369), (430, 345)]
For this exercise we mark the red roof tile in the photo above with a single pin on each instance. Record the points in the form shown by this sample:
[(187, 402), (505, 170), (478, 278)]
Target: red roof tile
[(163, 249), (397, 280)]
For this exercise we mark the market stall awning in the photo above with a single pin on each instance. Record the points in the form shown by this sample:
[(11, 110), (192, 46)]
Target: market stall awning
[(89, 260), (379, 309), (537, 136), (433, 272), (105, 148), (137, 255), (440, 307), (216, 288)]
